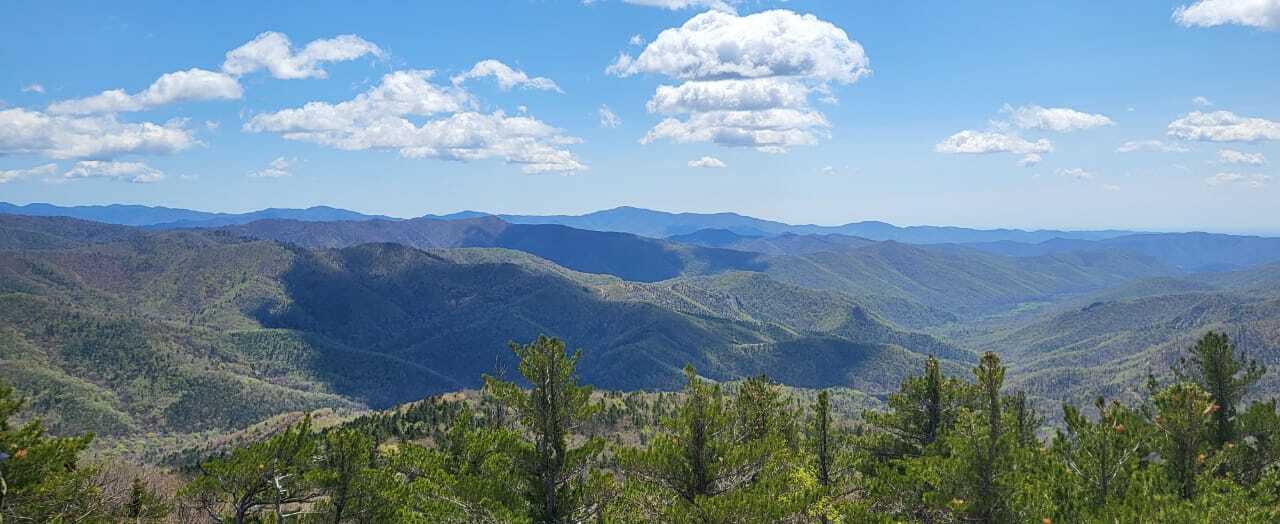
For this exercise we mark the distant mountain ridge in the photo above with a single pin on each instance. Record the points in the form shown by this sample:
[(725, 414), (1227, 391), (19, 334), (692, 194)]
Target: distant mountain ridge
[(626, 219)]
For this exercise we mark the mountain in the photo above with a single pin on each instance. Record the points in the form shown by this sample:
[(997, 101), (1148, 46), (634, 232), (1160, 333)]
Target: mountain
[(121, 330), (1195, 252), (663, 224), (166, 217), (624, 255), (784, 244)]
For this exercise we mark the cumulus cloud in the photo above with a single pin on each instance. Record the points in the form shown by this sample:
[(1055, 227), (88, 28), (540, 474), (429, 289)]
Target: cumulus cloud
[(377, 119), (1232, 156), (33, 88), (279, 168), (636, 40), (1251, 180), (1074, 172), (986, 142), (745, 81), (1030, 160), (707, 162), (1058, 119), (608, 118), (179, 86), (506, 76), (1202, 101), (1150, 145), (716, 45), (1223, 126), (136, 172), (1264, 14), (19, 174), (98, 137), (274, 52)]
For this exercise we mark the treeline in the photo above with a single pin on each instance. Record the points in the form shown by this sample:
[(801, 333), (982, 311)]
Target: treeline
[(945, 449)]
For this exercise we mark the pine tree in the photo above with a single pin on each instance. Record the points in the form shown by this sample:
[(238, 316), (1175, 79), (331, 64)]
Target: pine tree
[(561, 486), (1183, 417), (990, 377), (1216, 367), (1100, 456), (923, 409)]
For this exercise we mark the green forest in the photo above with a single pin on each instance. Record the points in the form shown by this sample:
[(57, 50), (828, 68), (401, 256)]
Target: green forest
[(544, 448)]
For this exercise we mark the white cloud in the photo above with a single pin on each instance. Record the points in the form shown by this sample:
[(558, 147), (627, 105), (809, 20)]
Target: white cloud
[(636, 40), (33, 88), (24, 132), (179, 86), (707, 162), (1202, 101), (279, 168), (1232, 156), (274, 52), (738, 95), (1150, 145), (829, 171), (985, 142), (1074, 172), (722, 5), (1030, 160), (1223, 126), (1251, 180), (608, 118), (1263, 14), (136, 172), (770, 130), (376, 119), (746, 80), (1059, 119), (716, 45), (18, 174), (506, 76)]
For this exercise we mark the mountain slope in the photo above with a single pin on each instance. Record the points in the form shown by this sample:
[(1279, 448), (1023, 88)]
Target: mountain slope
[(1196, 252), (167, 217)]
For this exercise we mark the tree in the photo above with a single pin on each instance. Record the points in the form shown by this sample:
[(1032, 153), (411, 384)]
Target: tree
[(919, 413), (41, 479), (271, 475), (561, 482), (990, 375), (1183, 418), (698, 470), (1216, 367), (1100, 456), (833, 460), (347, 473)]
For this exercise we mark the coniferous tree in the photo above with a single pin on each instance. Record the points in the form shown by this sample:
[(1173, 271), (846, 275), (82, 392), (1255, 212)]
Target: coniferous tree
[(561, 484), (1216, 367), (1100, 456), (1183, 417), (919, 413), (990, 458)]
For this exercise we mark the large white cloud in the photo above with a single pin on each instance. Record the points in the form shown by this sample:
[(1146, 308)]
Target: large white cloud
[(24, 132), (1263, 14), (746, 80), (274, 52), (136, 172), (179, 86), (1223, 126), (11, 175), (506, 76), (985, 142), (379, 119), (1059, 119), (717, 45)]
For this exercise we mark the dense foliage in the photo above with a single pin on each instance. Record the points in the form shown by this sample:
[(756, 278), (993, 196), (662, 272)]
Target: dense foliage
[(548, 450)]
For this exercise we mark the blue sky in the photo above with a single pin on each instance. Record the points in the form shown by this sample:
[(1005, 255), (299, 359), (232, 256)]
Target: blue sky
[(982, 114)]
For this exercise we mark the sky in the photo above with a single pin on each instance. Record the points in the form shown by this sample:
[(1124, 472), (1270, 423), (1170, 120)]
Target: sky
[(1153, 115)]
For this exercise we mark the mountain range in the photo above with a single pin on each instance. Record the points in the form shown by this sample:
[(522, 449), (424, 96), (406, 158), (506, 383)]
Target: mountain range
[(197, 323)]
